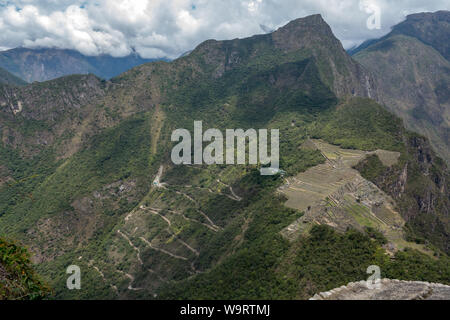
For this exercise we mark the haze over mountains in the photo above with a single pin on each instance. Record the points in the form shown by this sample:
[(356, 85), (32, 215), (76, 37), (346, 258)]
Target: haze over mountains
[(47, 64), (8, 78), (79, 156)]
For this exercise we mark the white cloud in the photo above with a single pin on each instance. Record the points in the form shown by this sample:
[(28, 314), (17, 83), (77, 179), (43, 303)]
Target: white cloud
[(156, 28)]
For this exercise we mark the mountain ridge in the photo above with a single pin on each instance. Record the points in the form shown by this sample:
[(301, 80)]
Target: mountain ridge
[(418, 89), (432, 28), (304, 34), (419, 26), (44, 64)]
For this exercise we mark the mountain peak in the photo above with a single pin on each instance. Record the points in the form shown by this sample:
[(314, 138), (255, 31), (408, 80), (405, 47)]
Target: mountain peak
[(304, 31), (297, 34), (314, 19), (309, 37)]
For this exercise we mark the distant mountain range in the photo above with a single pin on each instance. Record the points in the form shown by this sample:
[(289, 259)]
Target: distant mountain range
[(412, 70), (47, 64), (8, 78)]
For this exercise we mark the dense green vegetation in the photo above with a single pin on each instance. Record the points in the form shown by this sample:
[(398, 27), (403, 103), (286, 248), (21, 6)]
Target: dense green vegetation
[(250, 272), (323, 261), (110, 156), (376, 235), (371, 167), (18, 280), (360, 124)]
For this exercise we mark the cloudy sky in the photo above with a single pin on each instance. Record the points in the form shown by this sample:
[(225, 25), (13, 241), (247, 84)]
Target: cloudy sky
[(168, 28)]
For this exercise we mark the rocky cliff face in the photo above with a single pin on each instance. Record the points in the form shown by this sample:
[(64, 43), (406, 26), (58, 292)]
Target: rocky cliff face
[(44, 102), (313, 33), (310, 36), (388, 290)]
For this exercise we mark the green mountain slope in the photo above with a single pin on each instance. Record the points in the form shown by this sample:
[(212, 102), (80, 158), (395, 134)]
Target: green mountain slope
[(79, 157), (413, 75), (18, 280)]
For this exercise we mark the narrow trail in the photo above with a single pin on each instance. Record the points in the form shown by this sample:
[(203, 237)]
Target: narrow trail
[(157, 211), (91, 264), (185, 195), (162, 250), (216, 227), (209, 220), (130, 285), (200, 188), (235, 196), (157, 275), (188, 246), (138, 252), (160, 215), (194, 269), (128, 216), (194, 220), (157, 182)]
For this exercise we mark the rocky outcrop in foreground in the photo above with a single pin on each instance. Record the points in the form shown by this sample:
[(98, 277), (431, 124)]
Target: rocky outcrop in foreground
[(388, 290)]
